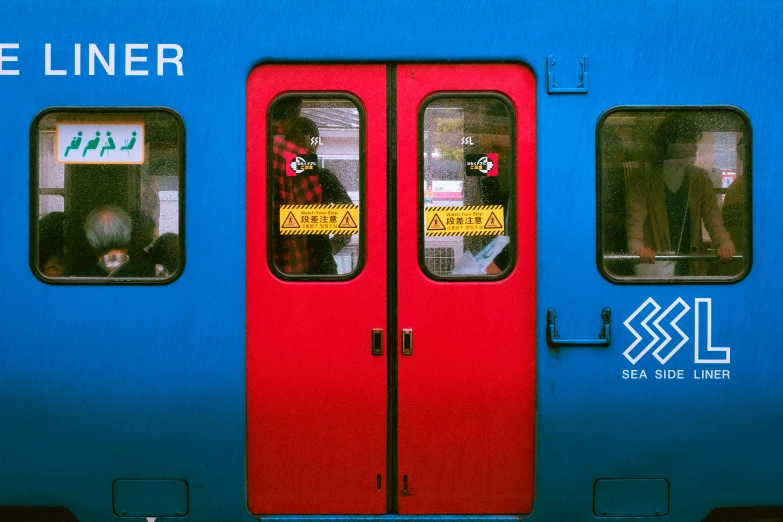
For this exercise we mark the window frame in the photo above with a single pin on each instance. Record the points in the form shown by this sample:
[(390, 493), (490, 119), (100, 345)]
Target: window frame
[(512, 220), (747, 171), (361, 254), (34, 201)]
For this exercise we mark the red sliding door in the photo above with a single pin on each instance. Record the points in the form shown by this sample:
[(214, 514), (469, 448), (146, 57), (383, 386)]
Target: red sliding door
[(316, 394), (467, 391), (320, 375)]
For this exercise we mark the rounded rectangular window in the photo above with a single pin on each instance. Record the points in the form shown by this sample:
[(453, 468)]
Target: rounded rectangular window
[(316, 186), (106, 196), (466, 186), (674, 195)]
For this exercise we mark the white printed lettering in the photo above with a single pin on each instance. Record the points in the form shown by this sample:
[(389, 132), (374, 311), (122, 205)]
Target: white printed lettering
[(711, 374), (77, 59), (129, 59), (634, 374), (48, 63), (175, 60), (4, 58), (107, 66), (670, 374)]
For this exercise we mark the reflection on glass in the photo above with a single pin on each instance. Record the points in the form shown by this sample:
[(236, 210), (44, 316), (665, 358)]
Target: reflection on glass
[(108, 195), (673, 194), (315, 149), (467, 186)]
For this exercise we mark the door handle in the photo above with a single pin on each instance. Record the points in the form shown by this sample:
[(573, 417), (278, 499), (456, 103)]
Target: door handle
[(604, 338), (407, 341), (377, 341)]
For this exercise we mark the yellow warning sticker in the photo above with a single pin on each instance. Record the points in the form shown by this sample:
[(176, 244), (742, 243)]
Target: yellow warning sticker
[(471, 220), (319, 219)]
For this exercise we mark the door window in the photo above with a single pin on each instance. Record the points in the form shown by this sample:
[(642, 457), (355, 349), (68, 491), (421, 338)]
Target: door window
[(315, 186), (467, 182)]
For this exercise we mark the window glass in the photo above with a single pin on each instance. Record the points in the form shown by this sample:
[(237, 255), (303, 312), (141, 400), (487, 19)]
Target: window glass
[(467, 186), (315, 177), (673, 191), (108, 196)]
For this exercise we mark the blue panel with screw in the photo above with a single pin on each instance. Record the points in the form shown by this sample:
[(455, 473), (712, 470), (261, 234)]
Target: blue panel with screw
[(150, 498), (631, 497)]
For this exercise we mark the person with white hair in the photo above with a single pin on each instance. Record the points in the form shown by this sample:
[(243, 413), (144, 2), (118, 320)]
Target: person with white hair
[(108, 229)]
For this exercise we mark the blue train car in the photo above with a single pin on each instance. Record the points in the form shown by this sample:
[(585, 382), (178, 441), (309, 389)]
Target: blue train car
[(298, 261)]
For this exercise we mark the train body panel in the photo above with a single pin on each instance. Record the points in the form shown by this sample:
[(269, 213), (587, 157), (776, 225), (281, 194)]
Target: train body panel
[(105, 383)]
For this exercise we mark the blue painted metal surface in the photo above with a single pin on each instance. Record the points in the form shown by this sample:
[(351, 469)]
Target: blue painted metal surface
[(631, 498), (142, 498), (99, 383)]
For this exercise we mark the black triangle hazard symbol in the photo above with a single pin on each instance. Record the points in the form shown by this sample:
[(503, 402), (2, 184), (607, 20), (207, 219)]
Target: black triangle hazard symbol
[(436, 224), (290, 221), (347, 221), (493, 222)]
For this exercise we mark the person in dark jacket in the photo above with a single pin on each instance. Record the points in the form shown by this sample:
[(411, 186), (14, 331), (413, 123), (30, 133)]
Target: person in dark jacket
[(671, 199), (165, 252), (142, 234), (50, 244), (302, 133)]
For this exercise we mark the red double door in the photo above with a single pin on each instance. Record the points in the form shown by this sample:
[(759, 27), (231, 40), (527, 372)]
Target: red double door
[(326, 418)]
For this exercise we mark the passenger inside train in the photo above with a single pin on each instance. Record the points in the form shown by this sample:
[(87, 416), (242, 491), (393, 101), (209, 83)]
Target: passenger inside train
[(108, 230), (665, 176), (300, 127), (306, 135), (117, 240)]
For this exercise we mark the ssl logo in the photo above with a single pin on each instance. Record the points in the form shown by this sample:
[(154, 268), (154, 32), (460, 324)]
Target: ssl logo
[(677, 309)]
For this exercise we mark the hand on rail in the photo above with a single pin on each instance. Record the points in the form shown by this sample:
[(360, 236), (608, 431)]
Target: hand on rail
[(726, 251), (647, 255)]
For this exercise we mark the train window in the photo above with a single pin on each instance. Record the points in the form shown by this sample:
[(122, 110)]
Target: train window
[(466, 186), (674, 195), (106, 188), (315, 178)]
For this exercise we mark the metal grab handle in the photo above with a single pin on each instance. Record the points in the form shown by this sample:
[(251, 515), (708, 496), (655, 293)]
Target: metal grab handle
[(667, 257), (407, 341), (604, 338), (377, 341)]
